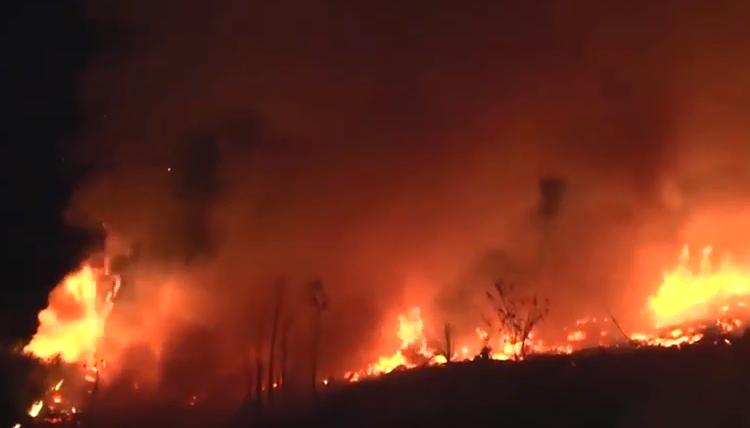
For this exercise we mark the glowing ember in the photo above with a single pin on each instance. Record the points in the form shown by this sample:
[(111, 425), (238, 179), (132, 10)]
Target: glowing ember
[(36, 408)]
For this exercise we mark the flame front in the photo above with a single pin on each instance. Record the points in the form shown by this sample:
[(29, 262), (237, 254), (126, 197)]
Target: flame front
[(413, 345), (685, 296), (73, 323), (689, 301), (71, 328)]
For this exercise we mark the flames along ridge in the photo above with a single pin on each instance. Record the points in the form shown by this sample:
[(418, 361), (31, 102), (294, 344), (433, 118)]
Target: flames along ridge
[(684, 301)]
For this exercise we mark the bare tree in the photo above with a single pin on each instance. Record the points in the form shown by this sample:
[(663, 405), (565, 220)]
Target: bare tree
[(259, 369), (448, 351), (485, 353), (250, 377), (517, 315), (278, 304), (259, 389), (285, 327), (319, 300)]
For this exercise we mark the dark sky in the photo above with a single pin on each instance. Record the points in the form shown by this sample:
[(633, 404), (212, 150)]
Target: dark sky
[(46, 48), (391, 148)]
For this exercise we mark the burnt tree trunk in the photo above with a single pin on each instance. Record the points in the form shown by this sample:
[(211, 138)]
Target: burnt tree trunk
[(259, 390), (448, 334), (272, 348), (316, 352), (284, 352), (320, 304)]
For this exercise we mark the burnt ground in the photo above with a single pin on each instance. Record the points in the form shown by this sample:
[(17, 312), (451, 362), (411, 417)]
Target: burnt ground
[(702, 385)]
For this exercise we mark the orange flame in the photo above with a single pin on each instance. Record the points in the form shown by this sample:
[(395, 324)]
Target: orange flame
[(686, 296), (73, 323), (71, 328)]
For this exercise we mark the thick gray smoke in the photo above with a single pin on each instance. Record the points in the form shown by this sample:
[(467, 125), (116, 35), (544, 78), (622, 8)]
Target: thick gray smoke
[(371, 144)]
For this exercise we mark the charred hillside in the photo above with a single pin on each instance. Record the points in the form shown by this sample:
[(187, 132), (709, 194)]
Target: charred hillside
[(697, 385)]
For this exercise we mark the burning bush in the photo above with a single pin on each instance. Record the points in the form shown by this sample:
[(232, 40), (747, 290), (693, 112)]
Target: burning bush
[(516, 316)]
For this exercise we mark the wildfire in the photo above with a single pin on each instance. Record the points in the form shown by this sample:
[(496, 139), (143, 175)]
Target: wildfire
[(688, 302), (73, 323), (691, 301), (71, 328), (685, 296)]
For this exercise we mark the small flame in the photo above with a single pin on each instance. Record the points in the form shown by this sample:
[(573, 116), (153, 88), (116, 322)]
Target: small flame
[(36, 408)]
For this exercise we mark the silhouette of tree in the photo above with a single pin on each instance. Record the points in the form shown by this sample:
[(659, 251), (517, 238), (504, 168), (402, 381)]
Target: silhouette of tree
[(517, 315), (278, 304), (319, 300)]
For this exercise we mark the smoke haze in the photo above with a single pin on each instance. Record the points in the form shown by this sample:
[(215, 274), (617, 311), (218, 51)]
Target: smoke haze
[(395, 150)]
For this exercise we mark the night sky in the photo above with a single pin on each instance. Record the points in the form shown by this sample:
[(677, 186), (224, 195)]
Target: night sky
[(393, 149), (47, 45)]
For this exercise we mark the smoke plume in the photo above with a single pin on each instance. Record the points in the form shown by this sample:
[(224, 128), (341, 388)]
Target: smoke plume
[(396, 150)]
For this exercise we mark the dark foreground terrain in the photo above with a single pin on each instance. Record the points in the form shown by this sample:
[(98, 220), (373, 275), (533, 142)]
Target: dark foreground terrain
[(702, 385), (698, 386)]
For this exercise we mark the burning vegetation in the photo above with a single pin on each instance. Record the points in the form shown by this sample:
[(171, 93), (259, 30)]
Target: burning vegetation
[(70, 330), (690, 304)]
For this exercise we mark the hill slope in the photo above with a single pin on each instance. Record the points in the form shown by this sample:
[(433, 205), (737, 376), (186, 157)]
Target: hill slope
[(700, 385)]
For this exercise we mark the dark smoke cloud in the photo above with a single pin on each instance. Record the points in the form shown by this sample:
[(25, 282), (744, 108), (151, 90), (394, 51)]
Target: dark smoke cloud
[(371, 143)]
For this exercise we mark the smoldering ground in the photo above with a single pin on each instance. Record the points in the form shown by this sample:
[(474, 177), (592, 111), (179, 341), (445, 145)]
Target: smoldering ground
[(368, 142)]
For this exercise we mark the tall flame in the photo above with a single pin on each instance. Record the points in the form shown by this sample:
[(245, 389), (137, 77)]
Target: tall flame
[(687, 296), (73, 323)]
